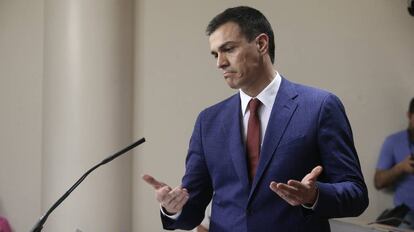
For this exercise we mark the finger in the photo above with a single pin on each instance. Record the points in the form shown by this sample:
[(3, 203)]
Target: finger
[(179, 198), (152, 181), (282, 188), (307, 192), (173, 194), (174, 201), (291, 201), (294, 198), (316, 172), (178, 201), (300, 186), (273, 186), (287, 188), (181, 203), (285, 195), (162, 195)]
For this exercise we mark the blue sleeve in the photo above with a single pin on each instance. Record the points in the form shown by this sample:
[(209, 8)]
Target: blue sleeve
[(198, 183), (386, 158), (343, 192)]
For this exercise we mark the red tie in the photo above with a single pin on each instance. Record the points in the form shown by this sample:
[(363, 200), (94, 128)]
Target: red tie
[(253, 137)]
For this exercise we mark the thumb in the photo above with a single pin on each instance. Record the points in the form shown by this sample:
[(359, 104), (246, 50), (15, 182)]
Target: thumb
[(316, 172), (152, 181)]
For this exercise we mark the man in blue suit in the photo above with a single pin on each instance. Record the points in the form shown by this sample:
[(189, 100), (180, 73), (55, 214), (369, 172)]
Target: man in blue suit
[(276, 156)]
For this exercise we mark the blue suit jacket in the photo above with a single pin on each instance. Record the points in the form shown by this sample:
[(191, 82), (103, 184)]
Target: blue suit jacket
[(307, 127)]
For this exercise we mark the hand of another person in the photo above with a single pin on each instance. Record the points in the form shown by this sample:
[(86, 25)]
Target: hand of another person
[(172, 200), (407, 165), (201, 228), (299, 193)]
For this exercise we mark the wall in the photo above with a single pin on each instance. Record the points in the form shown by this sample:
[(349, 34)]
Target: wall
[(21, 65), (360, 50)]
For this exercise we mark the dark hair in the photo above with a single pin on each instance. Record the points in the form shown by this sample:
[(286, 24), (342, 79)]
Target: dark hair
[(251, 22), (411, 107)]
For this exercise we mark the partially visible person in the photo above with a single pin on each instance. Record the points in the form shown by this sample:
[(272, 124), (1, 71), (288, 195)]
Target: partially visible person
[(395, 167), (4, 225), (201, 228)]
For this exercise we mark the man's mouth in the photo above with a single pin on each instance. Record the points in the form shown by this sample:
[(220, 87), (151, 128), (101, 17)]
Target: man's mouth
[(227, 73)]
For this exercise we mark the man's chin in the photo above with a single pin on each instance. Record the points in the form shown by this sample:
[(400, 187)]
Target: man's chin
[(231, 84)]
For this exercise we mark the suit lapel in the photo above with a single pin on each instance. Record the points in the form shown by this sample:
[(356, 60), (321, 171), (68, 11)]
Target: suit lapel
[(232, 132), (282, 111)]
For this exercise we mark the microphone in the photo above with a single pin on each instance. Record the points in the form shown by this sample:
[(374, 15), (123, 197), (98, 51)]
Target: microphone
[(393, 217), (392, 221), (39, 225)]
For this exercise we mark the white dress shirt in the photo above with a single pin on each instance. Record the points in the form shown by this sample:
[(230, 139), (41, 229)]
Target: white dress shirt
[(267, 98)]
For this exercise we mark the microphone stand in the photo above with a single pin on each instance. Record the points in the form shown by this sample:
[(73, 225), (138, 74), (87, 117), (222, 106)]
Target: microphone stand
[(39, 225)]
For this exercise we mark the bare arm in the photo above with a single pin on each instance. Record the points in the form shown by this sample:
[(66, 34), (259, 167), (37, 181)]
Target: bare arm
[(386, 178), (201, 228)]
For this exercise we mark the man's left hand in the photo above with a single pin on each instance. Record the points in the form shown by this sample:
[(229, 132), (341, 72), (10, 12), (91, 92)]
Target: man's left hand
[(299, 193)]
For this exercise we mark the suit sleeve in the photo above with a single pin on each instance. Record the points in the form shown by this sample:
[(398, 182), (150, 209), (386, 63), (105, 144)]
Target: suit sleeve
[(198, 183), (342, 189)]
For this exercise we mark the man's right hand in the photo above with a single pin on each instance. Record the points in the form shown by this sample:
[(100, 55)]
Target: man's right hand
[(172, 200)]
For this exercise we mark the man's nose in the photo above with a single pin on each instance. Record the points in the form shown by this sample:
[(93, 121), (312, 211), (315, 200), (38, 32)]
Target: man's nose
[(222, 61)]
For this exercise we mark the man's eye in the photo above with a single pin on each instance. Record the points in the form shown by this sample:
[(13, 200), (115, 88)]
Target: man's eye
[(228, 49)]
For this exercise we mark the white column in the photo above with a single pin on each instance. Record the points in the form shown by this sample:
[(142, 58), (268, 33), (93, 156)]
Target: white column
[(87, 108)]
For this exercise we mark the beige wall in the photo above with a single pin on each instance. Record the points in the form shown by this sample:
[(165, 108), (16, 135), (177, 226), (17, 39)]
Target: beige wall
[(360, 50), (87, 113), (21, 65)]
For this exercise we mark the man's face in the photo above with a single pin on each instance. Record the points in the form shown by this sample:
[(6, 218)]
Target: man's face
[(238, 59)]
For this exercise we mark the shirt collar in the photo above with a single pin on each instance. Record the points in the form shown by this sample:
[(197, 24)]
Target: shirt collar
[(267, 96)]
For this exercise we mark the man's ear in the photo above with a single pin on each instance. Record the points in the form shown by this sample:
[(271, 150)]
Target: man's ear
[(262, 43)]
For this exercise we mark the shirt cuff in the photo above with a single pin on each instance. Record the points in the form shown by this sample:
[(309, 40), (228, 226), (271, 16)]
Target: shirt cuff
[(173, 216), (312, 207)]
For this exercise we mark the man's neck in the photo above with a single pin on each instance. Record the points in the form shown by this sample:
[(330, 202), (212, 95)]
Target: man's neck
[(266, 77)]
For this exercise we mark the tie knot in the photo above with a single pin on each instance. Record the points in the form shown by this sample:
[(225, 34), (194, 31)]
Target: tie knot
[(254, 105)]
